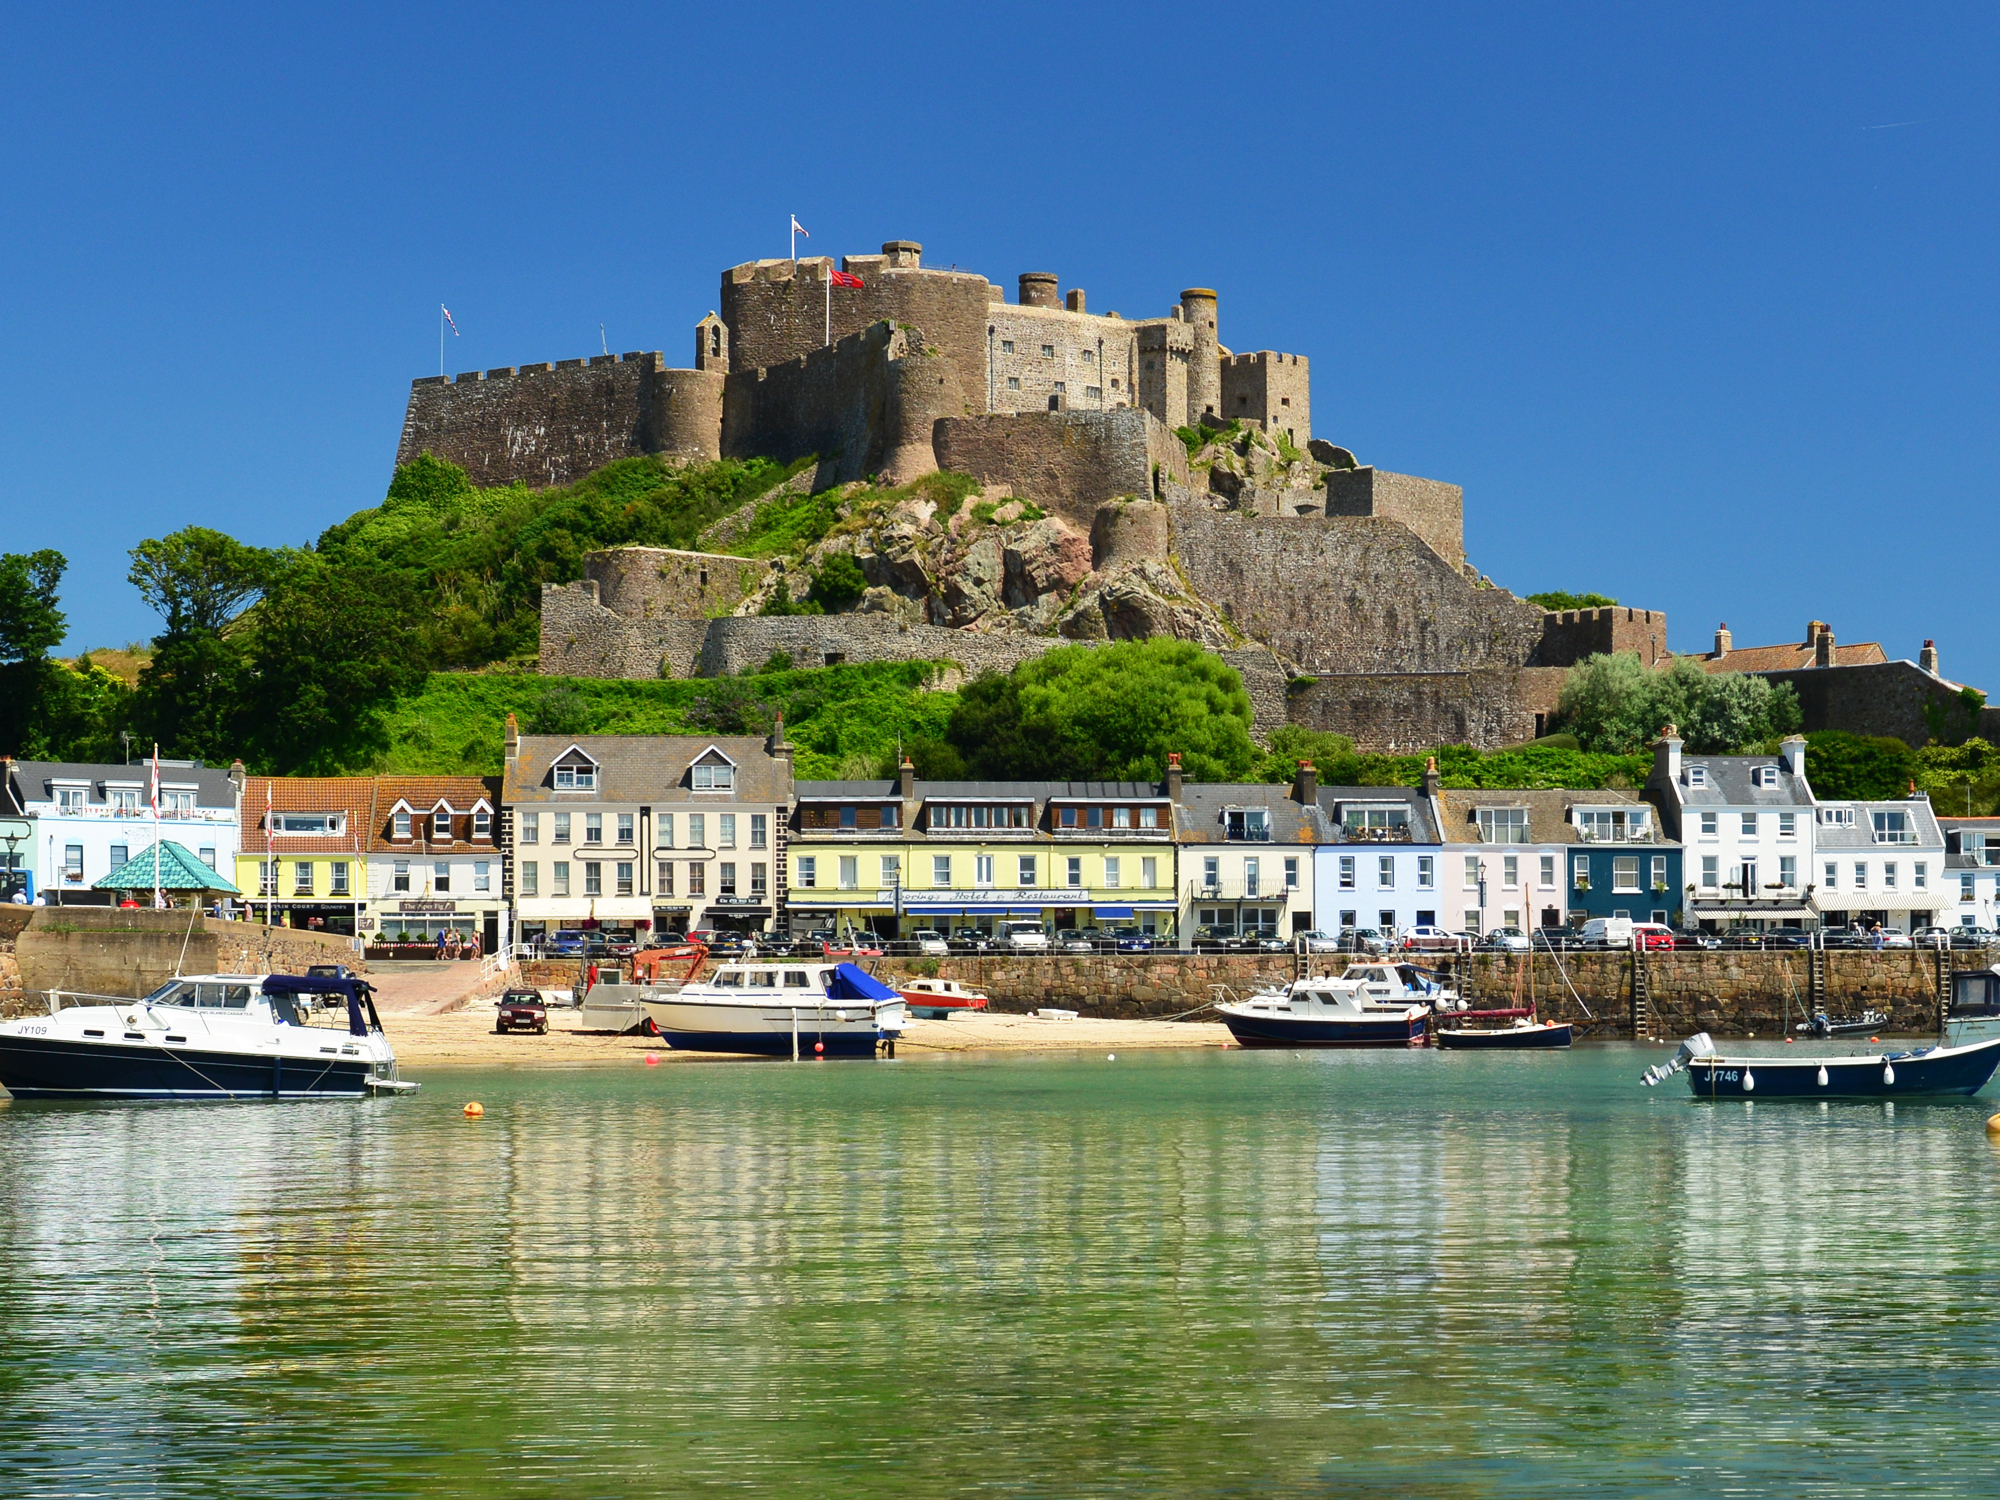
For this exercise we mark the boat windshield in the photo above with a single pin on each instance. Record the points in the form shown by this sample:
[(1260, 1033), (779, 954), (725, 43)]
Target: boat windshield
[(730, 979), (173, 992)]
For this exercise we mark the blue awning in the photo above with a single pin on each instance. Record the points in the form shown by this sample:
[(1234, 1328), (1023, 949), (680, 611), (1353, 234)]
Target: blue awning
[(969, 911), (1113, 911)]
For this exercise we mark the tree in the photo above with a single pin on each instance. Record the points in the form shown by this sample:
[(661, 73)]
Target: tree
[(1108, 712), (1614, 704), (199, 580), (1841, 765), (329, 649), (839, 583), (1556, 599), (31, 626)]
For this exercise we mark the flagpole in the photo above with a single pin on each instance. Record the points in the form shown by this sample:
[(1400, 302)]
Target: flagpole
[(829, 301), (156, 825), (440, 340), (795, 237)]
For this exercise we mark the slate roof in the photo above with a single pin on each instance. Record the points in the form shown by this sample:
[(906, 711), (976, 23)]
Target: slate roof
[(648, 768), (1729, 783), (1199, 814), (31, 780), (973, 791), (179, 871), (1548, 814), (1423, 828), (1956, 858), (1861, 834)]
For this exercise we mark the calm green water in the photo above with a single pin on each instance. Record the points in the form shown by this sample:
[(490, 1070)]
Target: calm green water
[(1198, 1274)]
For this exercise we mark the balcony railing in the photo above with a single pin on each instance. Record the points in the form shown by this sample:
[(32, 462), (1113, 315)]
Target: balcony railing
[(142, 813), (1399, 835)]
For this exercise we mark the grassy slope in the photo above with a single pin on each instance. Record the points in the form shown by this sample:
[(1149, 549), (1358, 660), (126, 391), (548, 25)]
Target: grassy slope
[(840, 718)]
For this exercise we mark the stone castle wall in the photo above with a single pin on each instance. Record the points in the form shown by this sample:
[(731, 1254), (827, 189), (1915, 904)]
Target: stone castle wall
[(1349, 594), (1571, 635), (552, 424), (1400, 712), (581, 638), (645, 583), (1431, 508), (1271, 391), (1070, 462), (1885, 698)]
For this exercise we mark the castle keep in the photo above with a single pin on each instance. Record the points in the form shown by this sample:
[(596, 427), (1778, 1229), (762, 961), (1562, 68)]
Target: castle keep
[(1340, 589)]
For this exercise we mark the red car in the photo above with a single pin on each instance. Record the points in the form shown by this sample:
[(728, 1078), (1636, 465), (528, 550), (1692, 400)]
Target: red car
[(522, 1010), (1651, 935)]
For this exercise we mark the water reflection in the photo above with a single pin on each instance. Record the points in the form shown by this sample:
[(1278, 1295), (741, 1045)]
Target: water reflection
[(1385, 1273)]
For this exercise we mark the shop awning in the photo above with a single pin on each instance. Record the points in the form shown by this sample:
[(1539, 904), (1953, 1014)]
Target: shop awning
[(1112, 911)]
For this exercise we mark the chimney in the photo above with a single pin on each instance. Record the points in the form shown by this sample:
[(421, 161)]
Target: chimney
[(1823, 648), (237, 776), (1173, 776), (1927, 658), (1793, 749), (1667, 755), (511, 745), (906, 779), (1305, 786), (1813, 628), (775, 746), (1075, 299), (1431, 778), (1722, 639)]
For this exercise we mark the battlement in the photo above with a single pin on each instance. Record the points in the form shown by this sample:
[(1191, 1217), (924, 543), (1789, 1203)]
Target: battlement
[(1569, 635)]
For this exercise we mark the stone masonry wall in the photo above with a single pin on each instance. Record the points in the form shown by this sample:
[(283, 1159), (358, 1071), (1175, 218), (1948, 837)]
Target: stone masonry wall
[(1274, 392), (1726, 994), (1570, 635), (552, 424), (776, 311), (1349, 594), (1068, 462), (109, 951), (581, 638), (651, 583), (1431, 508), (1885, 698), (735, 644), (1400, 712)]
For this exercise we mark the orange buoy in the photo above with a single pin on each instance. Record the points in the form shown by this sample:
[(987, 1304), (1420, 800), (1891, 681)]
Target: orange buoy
[(1789, 1040), (1993, 1124), (475, 1110), (1874, 1039), (819, 1047)]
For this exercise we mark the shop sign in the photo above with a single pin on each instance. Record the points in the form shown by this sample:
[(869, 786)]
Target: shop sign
[(427, 908)]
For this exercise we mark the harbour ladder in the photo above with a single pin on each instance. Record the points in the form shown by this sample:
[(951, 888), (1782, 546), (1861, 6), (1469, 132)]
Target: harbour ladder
[(1943, 987), (1642, 996), (1815, 981)]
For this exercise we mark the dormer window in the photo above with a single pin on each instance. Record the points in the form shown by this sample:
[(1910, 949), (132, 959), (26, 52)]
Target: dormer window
[(576, 777), (1249, 823), (402, 823), (1763, 775), (1503, 825), (1697, 775), (1836, 817), (308, 823), (482, 823), (441, 823), (714, 776), (1612, 824)]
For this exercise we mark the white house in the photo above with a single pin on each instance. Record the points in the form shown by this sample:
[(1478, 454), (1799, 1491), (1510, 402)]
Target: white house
[(1746, 829), (65, 825), (1246, 857), (1881, 864), (1972, 872)]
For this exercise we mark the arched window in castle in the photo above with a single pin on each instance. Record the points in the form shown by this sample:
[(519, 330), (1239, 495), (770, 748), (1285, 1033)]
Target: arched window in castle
[(715, 339)]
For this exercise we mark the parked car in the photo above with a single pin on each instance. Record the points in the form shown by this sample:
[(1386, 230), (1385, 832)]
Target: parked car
[(1130, 940), (1694, 937), (1891, 938), (1505, 940), (930, 942), (1366, 940), (1211, 939), (522, 1010), (1844, 937), (1780, 938), (1434, 940), (1651, 935), (1974, 937), (1606, 932), (1072, 941), (1024, 937), (971, 940), (1318, 942), (568, 943), (1936, 937)]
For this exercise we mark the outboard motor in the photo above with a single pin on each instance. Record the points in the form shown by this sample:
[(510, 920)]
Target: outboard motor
[(1695, 1046)]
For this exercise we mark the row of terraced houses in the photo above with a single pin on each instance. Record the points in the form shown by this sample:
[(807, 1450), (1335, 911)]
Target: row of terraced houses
[(642, 836)]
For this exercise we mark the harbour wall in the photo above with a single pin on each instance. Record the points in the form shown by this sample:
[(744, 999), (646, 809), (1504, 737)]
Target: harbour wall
[(1725, 993), (102, 950)]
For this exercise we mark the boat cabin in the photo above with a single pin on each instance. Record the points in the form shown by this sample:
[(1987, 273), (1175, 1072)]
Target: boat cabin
[(813, 978)]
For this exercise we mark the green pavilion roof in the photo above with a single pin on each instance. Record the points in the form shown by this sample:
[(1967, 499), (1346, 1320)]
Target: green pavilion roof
[(179, 871)]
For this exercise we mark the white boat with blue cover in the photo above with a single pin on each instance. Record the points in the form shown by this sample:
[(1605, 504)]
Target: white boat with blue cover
[(782, 1009), (207, 1036)]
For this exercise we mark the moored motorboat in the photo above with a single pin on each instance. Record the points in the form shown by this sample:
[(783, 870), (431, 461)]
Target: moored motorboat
[(941, 999), (782, 1009), (1912, 1073), (207, 1036), (1524, 1035), (1371, 1005)]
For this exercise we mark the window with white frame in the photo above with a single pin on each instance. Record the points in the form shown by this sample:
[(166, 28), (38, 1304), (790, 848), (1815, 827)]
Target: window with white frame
[(531, 878), (1252, 874), (1708, 822), (663, 877), (1111, 871), (623, 874), (339, 868), (1788, 871), (1965, 888), (1625, 873), (562, 828), (1503, 825), (1749, 825), (1836, 817), (559, 878), (1426, 872), (1832, 874), (1697, 775), (1075, 872), (1548, 872), (725, 831), (441, 824), (1861, 875), (575, 776), (399, 877), (1510, 872), (625, 830), (809, 871), (1211, 872), (1766, 776), (482, 875), (1149, 872), (1385, 872), (1893, 827), (1612, 824), (531, 828), (593, 828), (1920, 875), (482, 823), (1291, 872), (850, 872), (70, 798), (663, 830), (982, 871), (593, 877), (1024, 871), (1659, 882), (759, 830), (1888, 875), (1788, 825), (1471, 871), (1580, 874), (714, 776), (400, 824), (1347, 872), (1711, 873), (441, 877)]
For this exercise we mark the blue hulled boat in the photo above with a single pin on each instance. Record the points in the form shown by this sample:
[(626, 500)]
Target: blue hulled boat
[(1919, 1072), (1371, 1005)]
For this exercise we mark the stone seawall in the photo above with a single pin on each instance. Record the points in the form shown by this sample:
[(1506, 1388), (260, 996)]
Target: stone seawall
[(1728, 994), (108, 951)]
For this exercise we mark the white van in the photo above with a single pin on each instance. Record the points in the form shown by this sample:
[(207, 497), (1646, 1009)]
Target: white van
[(1024, 937), (1606, 932)]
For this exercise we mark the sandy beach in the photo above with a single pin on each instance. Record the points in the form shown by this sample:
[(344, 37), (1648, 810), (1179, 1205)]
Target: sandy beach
[(467, 1037)]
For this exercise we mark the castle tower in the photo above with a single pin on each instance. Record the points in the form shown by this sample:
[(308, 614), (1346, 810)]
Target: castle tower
[(1204, 387), (1038, 289), (711, 344)]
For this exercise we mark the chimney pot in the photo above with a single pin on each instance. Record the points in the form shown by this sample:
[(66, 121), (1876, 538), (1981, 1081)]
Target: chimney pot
[(1173, 775), (1723, 639), (1431, 778), (1927, 658), (1305, 786)]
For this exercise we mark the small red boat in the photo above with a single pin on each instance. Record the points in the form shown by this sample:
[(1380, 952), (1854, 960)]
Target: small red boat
[(940, 999)]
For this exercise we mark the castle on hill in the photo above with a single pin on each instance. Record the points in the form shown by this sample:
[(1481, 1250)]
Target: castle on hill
[(1341, 591)]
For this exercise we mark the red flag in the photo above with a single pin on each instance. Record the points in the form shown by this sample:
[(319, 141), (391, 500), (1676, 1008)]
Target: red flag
[(845, 278)]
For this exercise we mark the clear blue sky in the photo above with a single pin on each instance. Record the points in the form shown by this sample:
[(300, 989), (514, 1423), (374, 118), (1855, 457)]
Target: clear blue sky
[(1697, 302)]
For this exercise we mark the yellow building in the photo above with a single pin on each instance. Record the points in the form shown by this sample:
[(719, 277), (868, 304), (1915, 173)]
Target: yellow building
[(895, 857), (303, 855)]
